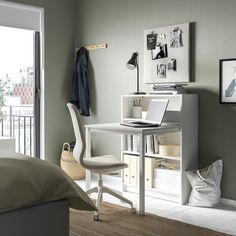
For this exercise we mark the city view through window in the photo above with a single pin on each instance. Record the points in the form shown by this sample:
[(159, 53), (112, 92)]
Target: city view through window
[(17, 87)]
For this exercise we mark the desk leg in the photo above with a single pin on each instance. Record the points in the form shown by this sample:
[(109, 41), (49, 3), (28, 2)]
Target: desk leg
[(142, 174), (88, 155)]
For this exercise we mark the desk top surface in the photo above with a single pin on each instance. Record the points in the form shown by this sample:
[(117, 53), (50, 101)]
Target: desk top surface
[(118, 128)]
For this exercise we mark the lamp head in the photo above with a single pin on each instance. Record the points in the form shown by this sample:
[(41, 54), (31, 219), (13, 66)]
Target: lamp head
[(132, 63)]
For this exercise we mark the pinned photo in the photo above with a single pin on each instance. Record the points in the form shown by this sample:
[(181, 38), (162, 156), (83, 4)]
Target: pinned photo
[(161, 71), (162, 37), (151, 41), (176, 40), (160, 51), (172, 64)]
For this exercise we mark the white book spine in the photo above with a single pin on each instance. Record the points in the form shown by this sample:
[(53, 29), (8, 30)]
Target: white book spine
[(156, 143), (135, 143), (150, 144), (129, 142)]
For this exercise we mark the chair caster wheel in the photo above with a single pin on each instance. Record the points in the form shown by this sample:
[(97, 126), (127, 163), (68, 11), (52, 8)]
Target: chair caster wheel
[(133, 210), (96, 217)]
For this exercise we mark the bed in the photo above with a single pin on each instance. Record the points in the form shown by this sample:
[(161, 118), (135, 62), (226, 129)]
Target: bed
[(35, 197)]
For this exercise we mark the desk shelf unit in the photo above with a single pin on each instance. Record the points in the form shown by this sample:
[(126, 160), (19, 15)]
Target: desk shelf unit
[(165, 183)]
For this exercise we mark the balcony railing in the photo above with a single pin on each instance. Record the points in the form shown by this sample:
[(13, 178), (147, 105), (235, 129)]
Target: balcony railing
[(18, 123)]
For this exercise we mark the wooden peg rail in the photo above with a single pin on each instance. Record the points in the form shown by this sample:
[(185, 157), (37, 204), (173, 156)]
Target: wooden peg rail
[(93, 47)]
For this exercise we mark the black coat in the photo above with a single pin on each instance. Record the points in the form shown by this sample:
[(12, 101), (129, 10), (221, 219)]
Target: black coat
[(80, 86)]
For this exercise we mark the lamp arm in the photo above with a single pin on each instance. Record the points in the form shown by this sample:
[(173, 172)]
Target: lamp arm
[(137, 78)]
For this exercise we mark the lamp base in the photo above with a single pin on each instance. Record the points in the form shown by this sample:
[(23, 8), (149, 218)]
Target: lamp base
[(138, 92)]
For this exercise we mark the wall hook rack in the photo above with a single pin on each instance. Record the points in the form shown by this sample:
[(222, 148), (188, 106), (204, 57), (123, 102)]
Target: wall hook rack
[(93, 47)]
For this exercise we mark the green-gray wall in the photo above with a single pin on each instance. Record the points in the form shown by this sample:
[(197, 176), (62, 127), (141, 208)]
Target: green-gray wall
[(59, 22), (120, 24)]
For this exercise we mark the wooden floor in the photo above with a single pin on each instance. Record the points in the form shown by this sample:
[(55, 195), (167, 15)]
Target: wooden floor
[(222, 219), (118, 221)]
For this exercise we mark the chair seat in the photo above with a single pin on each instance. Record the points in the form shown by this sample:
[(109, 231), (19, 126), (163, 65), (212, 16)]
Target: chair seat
[(105, 163)]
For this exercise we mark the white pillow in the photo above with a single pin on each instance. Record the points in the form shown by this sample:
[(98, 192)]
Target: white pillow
[(206, 185)]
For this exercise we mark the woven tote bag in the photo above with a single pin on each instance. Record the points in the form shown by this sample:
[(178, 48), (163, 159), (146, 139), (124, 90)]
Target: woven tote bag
[(69, 164)]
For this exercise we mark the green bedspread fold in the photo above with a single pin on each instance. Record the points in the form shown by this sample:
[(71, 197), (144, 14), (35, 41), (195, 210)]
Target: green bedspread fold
[(26, 181)]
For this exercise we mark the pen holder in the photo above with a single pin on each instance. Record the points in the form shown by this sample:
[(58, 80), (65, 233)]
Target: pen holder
[(144, 115), (137, 112)]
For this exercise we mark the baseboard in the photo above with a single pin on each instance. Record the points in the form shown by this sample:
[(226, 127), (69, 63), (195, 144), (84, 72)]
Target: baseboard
[(228, 202)]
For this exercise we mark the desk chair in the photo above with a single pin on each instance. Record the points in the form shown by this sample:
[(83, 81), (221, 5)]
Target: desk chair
[(99, 164)]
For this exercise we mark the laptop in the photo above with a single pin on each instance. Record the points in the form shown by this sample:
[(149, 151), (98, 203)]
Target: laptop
[(155, 114)]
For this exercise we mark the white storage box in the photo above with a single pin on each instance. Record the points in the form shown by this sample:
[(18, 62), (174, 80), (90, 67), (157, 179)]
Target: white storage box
[(167, 180), (169, 150)]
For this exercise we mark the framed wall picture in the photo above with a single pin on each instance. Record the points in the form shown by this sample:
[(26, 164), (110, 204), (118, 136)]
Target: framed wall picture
[(167, 54), (227, 86)]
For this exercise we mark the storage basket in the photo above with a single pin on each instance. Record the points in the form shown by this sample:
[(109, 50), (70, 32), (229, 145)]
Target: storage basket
[(169, 150), (69, 164)]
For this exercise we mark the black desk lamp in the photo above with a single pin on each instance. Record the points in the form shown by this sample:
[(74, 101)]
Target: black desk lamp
[(132, 64)]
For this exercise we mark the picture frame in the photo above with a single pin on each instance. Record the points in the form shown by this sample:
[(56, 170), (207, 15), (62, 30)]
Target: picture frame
[(227, 81)]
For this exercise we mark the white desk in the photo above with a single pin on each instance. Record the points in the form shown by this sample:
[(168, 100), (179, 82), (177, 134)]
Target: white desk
[(116, 128)]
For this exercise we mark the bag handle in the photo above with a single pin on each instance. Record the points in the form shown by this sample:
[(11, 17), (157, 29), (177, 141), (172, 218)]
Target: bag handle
[(203, 184), (66, 147), (200, 176)]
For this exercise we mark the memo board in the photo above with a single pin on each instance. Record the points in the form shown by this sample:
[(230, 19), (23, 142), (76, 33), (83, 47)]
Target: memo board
[(166, 54)]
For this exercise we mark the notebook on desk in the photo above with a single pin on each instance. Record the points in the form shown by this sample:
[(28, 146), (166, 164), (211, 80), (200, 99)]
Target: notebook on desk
[(155, 114)]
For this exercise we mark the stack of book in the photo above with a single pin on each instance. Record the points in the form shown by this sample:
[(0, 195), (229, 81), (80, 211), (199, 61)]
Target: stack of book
[(151, 144), (168, 88)]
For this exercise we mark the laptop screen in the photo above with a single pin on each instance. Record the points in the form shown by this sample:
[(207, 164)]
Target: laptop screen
[(156, 110)]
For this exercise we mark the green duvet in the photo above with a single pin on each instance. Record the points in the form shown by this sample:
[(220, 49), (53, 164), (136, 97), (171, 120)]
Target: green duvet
[(26, 181)]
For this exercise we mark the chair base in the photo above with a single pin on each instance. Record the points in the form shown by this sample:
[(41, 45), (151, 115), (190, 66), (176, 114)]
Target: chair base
[(100, 189)]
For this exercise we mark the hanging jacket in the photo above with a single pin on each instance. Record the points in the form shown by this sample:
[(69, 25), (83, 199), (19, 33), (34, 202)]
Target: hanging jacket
[(80, 86)]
